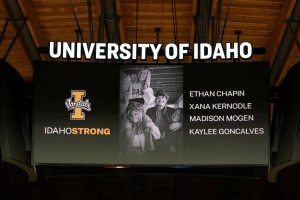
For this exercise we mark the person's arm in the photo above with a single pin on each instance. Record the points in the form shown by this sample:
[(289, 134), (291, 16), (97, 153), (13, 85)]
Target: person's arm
[(148, 95), (148, 79), (155, 132), (175, 126)]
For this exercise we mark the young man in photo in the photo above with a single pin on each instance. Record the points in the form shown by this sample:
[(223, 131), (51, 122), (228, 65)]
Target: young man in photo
[(161, 115)]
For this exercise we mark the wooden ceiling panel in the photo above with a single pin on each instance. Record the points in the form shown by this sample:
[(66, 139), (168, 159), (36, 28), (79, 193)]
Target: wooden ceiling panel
[(153, 14), (178, 2), (60, 10), (256, 20), (244, 12), (248, 26), (58, 3), (257, 5), (62, 26)]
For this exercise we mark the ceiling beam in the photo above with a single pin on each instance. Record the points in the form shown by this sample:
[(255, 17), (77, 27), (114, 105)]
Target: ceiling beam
[(15, 12), (293, 58), (218, 21), (189, 59), (112, 22), (101, 23), (121, 25), (192, 32), (280, 28), (201, 21), (19, 41), (285, 44), (33, 22), (90, 16), (34, 25)]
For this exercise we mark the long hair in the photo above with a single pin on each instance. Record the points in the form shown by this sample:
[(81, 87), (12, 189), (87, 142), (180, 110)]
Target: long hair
[(148, 78), (138, 111)]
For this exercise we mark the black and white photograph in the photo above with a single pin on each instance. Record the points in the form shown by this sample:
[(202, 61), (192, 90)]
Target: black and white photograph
[(151, 110)]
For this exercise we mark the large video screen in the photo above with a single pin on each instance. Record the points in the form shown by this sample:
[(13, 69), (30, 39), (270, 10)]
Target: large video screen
[(144, 115)]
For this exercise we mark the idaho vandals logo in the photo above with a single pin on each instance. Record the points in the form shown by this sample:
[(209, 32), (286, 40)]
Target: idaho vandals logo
[(77, 104)]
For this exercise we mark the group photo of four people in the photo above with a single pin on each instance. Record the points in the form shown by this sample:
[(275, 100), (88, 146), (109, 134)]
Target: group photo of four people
[(147, 124)]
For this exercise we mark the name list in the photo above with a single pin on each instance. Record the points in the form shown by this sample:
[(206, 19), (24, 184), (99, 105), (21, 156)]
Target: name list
[(239, 113)]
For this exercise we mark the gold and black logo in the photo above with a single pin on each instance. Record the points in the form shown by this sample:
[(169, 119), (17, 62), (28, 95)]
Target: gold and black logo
[(77, 104)]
